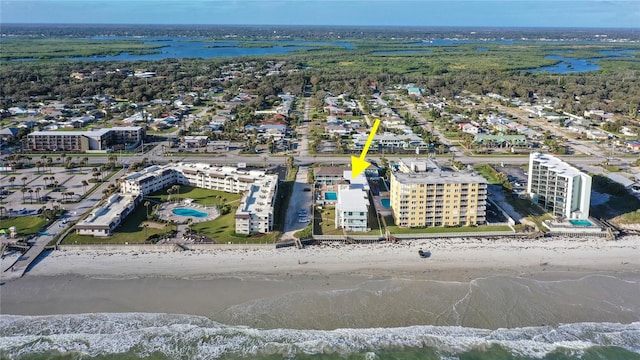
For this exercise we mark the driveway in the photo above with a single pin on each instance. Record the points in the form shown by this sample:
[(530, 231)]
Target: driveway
[(300, 200)]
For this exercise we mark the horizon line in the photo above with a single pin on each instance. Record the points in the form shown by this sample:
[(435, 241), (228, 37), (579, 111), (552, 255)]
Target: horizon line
[(335, 25)]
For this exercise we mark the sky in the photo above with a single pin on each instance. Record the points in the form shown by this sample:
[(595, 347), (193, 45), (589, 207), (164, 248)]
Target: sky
[(480, 13)]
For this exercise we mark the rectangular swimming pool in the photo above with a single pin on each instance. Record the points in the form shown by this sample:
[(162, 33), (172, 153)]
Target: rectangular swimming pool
[(580, 222), (331, 195)]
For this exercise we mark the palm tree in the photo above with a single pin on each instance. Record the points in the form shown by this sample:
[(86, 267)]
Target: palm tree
[(24, 191), (12, 180), (49, 162), (85, 183), (174, 223), (38, 165), (71, 193), (146, 204), (145, 226), (31, 195), (45, 178), (169, 192), (24, 181), (38, 193)]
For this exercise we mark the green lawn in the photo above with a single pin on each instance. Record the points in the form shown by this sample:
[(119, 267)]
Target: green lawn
[(201, 196), (130, 231), (324, 223), (437, 230), (26, 225)]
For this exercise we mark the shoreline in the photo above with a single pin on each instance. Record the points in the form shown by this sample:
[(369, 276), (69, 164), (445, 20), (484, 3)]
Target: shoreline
[(457, 259), (481, 283)]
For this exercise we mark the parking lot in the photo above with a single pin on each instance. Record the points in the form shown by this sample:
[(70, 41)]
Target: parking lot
[(41, 188)]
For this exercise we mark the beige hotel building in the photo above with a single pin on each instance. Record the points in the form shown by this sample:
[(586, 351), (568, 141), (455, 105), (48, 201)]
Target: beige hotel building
[(425, 195)]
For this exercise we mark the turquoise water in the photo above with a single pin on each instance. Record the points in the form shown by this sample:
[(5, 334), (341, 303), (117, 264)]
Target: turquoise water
[(578, 222), (386, 203), (331, 195), (189, 212)]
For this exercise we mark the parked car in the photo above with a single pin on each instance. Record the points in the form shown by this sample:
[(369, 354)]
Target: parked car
[(303, 220)]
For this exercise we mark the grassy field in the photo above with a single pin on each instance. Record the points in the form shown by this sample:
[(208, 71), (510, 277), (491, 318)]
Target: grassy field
[(443, 230), (200, 196), (26, 225), (130, 231), (324, 223)]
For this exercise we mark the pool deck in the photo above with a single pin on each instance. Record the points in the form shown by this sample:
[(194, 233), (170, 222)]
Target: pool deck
[(166, 212), (566, 227), (377, 203)]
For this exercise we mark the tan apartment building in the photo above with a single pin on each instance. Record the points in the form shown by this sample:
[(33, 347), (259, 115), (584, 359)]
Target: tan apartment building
[(425, 195), (81, 141)]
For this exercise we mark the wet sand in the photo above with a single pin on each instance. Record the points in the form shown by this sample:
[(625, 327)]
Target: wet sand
[(481, 283)]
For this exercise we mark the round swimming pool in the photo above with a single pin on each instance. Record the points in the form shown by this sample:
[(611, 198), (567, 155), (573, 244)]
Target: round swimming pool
[(189, 212)]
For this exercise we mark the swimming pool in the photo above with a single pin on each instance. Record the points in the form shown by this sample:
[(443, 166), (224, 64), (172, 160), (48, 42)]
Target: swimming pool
[(189, 212), (331, 195), (386, 203), (579, 222)]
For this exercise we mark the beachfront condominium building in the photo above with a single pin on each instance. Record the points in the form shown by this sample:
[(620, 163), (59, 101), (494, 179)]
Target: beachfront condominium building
[(104, 219), (423, 195), (82, 141), (352, 209), (559, 187), (255, 214)]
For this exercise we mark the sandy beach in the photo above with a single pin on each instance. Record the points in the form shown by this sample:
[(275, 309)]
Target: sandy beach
[(451, 260), (485, 283)]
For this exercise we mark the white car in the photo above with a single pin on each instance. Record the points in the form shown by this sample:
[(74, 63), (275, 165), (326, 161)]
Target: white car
[(303, 220)]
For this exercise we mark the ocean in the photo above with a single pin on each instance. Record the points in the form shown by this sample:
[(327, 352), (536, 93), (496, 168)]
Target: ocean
[(319, 317), (164, 336)]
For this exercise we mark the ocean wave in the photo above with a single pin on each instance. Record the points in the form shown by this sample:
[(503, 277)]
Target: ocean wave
[(196, 337)]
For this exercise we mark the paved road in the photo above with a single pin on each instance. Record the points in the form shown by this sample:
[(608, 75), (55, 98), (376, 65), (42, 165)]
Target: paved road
[(300, 200), (303, 149)]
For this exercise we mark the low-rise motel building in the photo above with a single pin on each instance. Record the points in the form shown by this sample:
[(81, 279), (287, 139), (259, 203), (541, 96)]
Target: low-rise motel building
[(424, 195), (255, 214)]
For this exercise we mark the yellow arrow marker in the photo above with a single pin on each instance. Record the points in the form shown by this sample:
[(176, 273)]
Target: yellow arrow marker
[(358, 165)]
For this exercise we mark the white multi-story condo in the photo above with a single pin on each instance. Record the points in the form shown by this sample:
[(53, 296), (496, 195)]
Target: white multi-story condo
[(559, 187), (352, 209), (256, 211), (423, 194)]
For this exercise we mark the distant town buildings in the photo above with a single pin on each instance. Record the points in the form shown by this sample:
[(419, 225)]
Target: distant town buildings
[(559, 187), (423, 194)]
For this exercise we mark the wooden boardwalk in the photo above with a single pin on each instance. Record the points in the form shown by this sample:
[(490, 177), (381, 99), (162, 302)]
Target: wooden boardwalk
[(21, 265)]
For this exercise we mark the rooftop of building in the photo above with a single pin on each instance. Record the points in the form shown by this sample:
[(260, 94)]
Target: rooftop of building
[(427, 171), (353, 200), (96, 132), (329, 170), (102, 216), (556, 165)]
